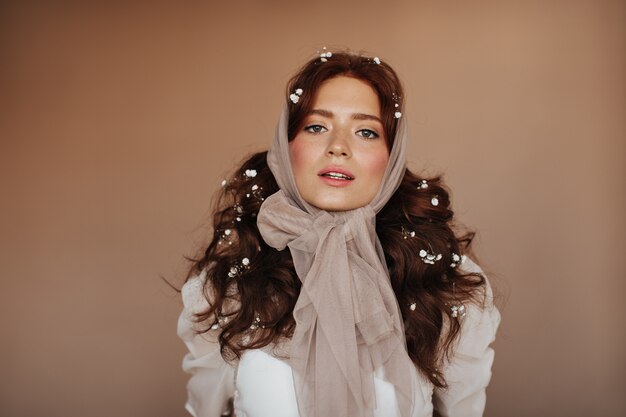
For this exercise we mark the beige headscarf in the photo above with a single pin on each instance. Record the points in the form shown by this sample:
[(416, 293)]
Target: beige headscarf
[(348, 323)]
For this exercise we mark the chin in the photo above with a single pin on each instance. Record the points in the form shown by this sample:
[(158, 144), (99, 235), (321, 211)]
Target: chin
[(336, 205)]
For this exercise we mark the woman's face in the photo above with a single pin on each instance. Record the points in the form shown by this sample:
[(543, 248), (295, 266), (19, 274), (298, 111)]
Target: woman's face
[(340, 154)]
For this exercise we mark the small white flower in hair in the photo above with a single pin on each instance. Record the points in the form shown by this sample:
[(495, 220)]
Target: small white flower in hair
[(238, 269), (225, 237), (455, 260), (429, 258), (250, 173), (397, 115), (325, 55), (407, 233), (377, 60), (434, 201), (295, 96), (458, 310)]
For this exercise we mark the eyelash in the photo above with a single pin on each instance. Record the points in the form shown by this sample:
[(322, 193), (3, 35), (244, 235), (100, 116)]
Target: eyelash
[(373, 135), (310, 127), (370, 132)]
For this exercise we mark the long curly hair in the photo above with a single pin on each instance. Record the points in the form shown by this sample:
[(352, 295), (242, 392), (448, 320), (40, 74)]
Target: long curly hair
[(252, 288)]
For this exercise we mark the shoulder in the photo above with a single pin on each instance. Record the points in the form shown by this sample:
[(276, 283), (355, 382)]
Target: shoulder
[(199, 294), (193, 293), (485, 298), (482, 318)]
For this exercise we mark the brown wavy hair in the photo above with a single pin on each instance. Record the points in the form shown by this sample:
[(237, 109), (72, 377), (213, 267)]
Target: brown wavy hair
[(252, 307)]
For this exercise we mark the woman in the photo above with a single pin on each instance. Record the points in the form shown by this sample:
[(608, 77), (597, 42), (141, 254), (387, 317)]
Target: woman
[(375, 308)]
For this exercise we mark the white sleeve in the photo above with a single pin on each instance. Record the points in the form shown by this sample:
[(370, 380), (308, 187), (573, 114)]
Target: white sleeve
[(469, 370), (212, 379)]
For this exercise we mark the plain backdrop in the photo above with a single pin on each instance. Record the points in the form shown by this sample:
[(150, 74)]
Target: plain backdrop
[(118, 121)]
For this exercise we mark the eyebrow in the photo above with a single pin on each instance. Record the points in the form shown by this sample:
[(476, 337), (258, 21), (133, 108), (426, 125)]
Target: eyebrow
[(355, 116)]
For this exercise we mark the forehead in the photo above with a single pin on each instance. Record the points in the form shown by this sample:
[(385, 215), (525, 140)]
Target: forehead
[(347, 94)]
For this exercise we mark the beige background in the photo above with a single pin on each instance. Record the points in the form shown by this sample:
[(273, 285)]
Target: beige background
[(119, 121)]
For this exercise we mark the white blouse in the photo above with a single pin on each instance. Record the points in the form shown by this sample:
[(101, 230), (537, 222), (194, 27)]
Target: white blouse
[(262, 385)]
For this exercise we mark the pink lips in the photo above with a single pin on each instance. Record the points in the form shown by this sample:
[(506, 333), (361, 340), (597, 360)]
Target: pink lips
[(336, 182), (336, 169)]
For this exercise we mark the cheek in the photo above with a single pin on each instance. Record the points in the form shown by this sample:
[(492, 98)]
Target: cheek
[(377, 162), (296, 154), (303, 153)]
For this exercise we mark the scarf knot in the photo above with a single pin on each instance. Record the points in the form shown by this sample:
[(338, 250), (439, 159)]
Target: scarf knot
[(348, 323)]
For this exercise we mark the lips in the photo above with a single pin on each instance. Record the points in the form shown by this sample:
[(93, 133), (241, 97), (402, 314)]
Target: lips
[(335, 172)]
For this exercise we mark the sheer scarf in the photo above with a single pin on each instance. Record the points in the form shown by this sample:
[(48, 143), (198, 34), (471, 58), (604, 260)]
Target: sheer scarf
[(348, 322)]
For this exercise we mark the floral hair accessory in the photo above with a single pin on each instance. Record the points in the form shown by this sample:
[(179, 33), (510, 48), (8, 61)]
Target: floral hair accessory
[(219, 321), (429, 258), (457, 260), (257, 322), (398, 113), (239, 268), (249, 173), (225, 237), (435, 201), (422, 185), (406, 233), (325, 55), (295, 96), (377, 60), (456, 310), (239, 211), (256, 192)]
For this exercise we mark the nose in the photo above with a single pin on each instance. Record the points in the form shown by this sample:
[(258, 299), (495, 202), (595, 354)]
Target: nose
[(339, 146)]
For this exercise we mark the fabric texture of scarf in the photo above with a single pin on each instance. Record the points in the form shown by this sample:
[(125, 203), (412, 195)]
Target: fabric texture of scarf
[(348, 322)]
